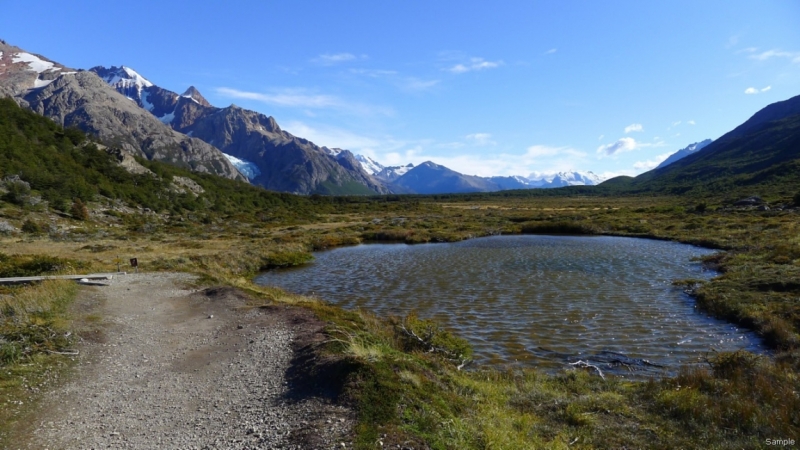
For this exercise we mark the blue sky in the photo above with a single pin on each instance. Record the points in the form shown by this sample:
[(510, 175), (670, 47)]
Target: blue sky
[(505, 88)]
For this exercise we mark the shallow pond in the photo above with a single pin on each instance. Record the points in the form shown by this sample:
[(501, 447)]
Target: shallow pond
[(535, 300)]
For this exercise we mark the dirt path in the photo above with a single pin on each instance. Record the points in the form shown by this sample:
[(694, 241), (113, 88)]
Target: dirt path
[(180, 368)]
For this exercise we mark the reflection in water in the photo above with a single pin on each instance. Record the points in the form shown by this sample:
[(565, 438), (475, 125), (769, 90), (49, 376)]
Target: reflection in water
[(533, 300)]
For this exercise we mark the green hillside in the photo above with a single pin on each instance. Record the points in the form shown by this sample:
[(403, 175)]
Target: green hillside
[(761, 156), (60, 165)]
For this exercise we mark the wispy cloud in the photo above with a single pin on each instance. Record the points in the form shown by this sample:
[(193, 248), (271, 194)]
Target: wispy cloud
[(601, 137), (481, 139), (406, 83), (650, 164), (287, 97), (777, 53), (551, 51), (374, 73), (691, 122), (475, 64), (416, 84), (329, 59), (301, 98), (634, 127), (541, 151), (752, 90)]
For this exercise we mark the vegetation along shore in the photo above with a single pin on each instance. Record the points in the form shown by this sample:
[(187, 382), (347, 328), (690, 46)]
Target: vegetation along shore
[(68, 206)]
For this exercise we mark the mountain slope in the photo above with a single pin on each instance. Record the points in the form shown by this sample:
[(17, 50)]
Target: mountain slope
[(764, 151), (81, 99), (284, 162), (684, 152), (431, 178), (54, 166)]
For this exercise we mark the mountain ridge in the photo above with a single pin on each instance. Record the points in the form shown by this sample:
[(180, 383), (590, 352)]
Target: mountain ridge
[(284, 162), (81, 99)]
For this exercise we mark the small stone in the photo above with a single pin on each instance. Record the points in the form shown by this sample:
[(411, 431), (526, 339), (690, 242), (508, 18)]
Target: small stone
[(210, 316)]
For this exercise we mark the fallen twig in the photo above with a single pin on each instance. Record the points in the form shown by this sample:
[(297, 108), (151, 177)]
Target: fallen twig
[(68, 352), (585, 364)]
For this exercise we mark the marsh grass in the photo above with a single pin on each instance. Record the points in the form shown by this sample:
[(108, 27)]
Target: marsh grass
[(412, 395)]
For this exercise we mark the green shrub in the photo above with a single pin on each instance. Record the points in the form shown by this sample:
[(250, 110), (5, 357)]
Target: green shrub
[(31, 227), (285, 259)]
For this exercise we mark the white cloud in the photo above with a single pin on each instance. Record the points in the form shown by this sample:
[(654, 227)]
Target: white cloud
[(634, 127), (481, 139), (300, 98), (416, 84), (691, 122), (601, 137), (539, 151), (374, 73), (752, 90), (675, 124), (551, 51), (644, 166), (475, 64), (776, 53), (329, 59), (625, 144), (287, 97)]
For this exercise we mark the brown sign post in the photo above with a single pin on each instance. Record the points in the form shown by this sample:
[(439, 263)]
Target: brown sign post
[(135, 264)]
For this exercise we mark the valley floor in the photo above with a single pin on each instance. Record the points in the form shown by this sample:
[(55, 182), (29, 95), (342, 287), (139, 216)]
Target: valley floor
[(172, 366)]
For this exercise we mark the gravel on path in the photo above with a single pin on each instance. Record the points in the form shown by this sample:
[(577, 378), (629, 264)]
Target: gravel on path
[(183, 368)]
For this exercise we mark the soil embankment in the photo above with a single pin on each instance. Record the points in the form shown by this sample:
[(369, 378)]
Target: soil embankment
[(178, 367)]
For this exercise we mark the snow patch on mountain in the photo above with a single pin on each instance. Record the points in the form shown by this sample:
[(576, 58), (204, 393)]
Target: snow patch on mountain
[(560, 179), (41, 83), (126, 77), (371, 166), (167, 118), (335, 152), (35, 63), (247, 168), (146, 102)]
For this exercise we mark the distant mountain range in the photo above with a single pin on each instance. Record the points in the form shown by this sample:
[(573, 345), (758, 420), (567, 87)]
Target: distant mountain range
[(432, 178), (127, 112)]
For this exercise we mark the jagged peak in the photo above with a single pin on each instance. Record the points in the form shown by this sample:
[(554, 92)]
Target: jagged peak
[(122, 77), (195, 95)]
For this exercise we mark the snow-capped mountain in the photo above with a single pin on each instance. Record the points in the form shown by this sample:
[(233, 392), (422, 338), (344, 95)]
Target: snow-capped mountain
[(561, 179), (391, 173), (370, 165), (267, 155), (81, 99), (684, 152)]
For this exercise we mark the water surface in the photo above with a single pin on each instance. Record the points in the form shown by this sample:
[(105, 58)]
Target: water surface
[(534, 300)]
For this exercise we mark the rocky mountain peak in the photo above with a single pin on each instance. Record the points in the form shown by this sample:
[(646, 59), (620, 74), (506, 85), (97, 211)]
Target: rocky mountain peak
[(122, 77), (195, 95)]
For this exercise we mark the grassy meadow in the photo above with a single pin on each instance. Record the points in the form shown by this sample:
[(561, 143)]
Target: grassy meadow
[(402, 373)]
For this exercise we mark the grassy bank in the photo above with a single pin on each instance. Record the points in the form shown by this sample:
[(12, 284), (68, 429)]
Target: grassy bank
[(404, 392)]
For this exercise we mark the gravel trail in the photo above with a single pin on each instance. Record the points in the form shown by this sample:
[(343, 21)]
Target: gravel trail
[(181, 368)]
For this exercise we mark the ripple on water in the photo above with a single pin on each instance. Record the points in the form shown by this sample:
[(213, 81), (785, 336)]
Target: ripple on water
[(533, 300)]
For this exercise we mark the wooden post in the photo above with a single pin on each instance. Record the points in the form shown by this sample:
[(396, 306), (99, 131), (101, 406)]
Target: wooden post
[(135, 265)]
